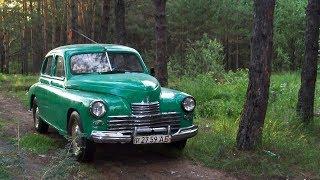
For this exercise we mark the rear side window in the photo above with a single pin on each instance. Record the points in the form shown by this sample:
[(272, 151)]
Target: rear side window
[(59, 67), (46, 68)]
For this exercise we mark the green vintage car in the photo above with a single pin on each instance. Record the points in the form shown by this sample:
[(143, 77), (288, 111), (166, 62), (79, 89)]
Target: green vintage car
[(104, 93)]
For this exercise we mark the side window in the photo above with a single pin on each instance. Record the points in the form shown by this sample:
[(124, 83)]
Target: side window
[(59, 67), (46, 68)]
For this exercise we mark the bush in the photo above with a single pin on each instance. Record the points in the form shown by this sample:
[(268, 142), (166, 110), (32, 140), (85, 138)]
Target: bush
[(205, 55), (216, 97)]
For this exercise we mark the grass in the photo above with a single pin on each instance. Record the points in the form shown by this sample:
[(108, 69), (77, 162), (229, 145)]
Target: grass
[(4, 173), (38, 144), (2, 123), (17, 82), (289, 149), (10, 164), (17, 85)]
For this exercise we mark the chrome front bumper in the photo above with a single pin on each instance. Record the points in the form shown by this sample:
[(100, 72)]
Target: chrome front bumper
[(119, 137)]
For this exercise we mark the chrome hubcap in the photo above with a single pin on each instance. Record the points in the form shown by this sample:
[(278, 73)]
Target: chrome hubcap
[(36, 118), (76, 139)]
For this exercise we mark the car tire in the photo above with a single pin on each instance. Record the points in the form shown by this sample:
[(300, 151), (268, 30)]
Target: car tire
[(39, 125), (82, 148), (178, 145)]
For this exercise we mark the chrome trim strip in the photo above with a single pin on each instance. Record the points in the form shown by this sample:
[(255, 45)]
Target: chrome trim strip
[(144, 103), (147, 116), (120, 137)]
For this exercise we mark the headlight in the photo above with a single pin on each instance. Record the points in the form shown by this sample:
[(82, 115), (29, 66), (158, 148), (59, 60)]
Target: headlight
[(188, 104), (97, 108)]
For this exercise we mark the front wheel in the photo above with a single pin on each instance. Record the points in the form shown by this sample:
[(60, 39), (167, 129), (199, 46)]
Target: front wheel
[(179, 145), (39, 125), (82, 148)]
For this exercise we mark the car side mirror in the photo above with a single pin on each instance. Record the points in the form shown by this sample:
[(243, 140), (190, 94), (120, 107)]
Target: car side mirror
[(152, 72)]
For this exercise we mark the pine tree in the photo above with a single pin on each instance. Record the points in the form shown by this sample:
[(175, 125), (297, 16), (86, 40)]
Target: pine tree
[(253, 115)]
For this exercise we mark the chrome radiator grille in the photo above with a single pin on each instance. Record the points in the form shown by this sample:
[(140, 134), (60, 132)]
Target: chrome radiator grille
[(128, 123), (145, 108)]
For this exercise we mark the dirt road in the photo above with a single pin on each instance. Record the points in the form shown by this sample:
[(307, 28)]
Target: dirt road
[(111, 161)]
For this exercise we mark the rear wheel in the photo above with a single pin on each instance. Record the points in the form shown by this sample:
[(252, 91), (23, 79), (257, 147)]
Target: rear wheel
[(82, 148), (39, 125), (179, 145)]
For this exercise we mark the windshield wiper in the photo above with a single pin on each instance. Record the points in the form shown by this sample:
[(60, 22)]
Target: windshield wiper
[(112, 72)]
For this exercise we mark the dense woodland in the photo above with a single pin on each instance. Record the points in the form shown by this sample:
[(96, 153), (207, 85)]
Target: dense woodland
[(29, 28)]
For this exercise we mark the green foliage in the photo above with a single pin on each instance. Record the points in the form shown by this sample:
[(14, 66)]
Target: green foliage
[(38, 143), (289, 28), (289, 148), (216, 96), (203, 56), (228, 21)]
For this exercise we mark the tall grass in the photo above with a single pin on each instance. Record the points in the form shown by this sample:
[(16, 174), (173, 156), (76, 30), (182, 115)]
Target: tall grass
[(289, 148), (17, 85), (17, 82)]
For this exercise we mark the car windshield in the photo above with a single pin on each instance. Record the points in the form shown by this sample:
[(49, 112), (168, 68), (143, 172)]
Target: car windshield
[(100, 63)]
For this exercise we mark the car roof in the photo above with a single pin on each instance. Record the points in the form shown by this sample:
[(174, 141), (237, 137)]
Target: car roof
[(92, 47)]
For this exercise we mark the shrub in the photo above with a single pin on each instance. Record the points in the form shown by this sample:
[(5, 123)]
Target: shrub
[(203, 56)]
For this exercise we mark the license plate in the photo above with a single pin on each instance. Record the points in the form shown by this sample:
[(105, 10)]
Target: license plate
[(152, 139)]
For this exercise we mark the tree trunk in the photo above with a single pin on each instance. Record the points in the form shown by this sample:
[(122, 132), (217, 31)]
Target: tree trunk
[(6, 53), (63, 24), (227, 50), (105, 17), (305, 105), (160, 33), (72, 22), (37, 50), (32, 29), (24, 41), (45, 25), (253, 115), (88, 19), (55, 36), (2, 52), (292, 56), (96, 21), (120, 21), (81, 25), (237, 53)]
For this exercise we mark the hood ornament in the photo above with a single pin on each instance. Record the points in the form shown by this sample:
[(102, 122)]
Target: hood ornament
[(146, 100)]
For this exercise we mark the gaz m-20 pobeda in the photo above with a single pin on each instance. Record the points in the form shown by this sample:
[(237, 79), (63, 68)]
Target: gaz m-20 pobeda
[(104, 93)]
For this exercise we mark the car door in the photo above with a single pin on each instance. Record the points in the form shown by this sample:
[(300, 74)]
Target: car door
[(44, 88), (58, 93)]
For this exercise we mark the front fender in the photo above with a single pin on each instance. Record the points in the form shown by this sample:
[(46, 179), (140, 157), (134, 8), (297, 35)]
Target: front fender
[(81, 102), (170, 101)]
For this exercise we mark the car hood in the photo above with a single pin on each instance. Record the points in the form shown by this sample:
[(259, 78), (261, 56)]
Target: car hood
[(134, 87)]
